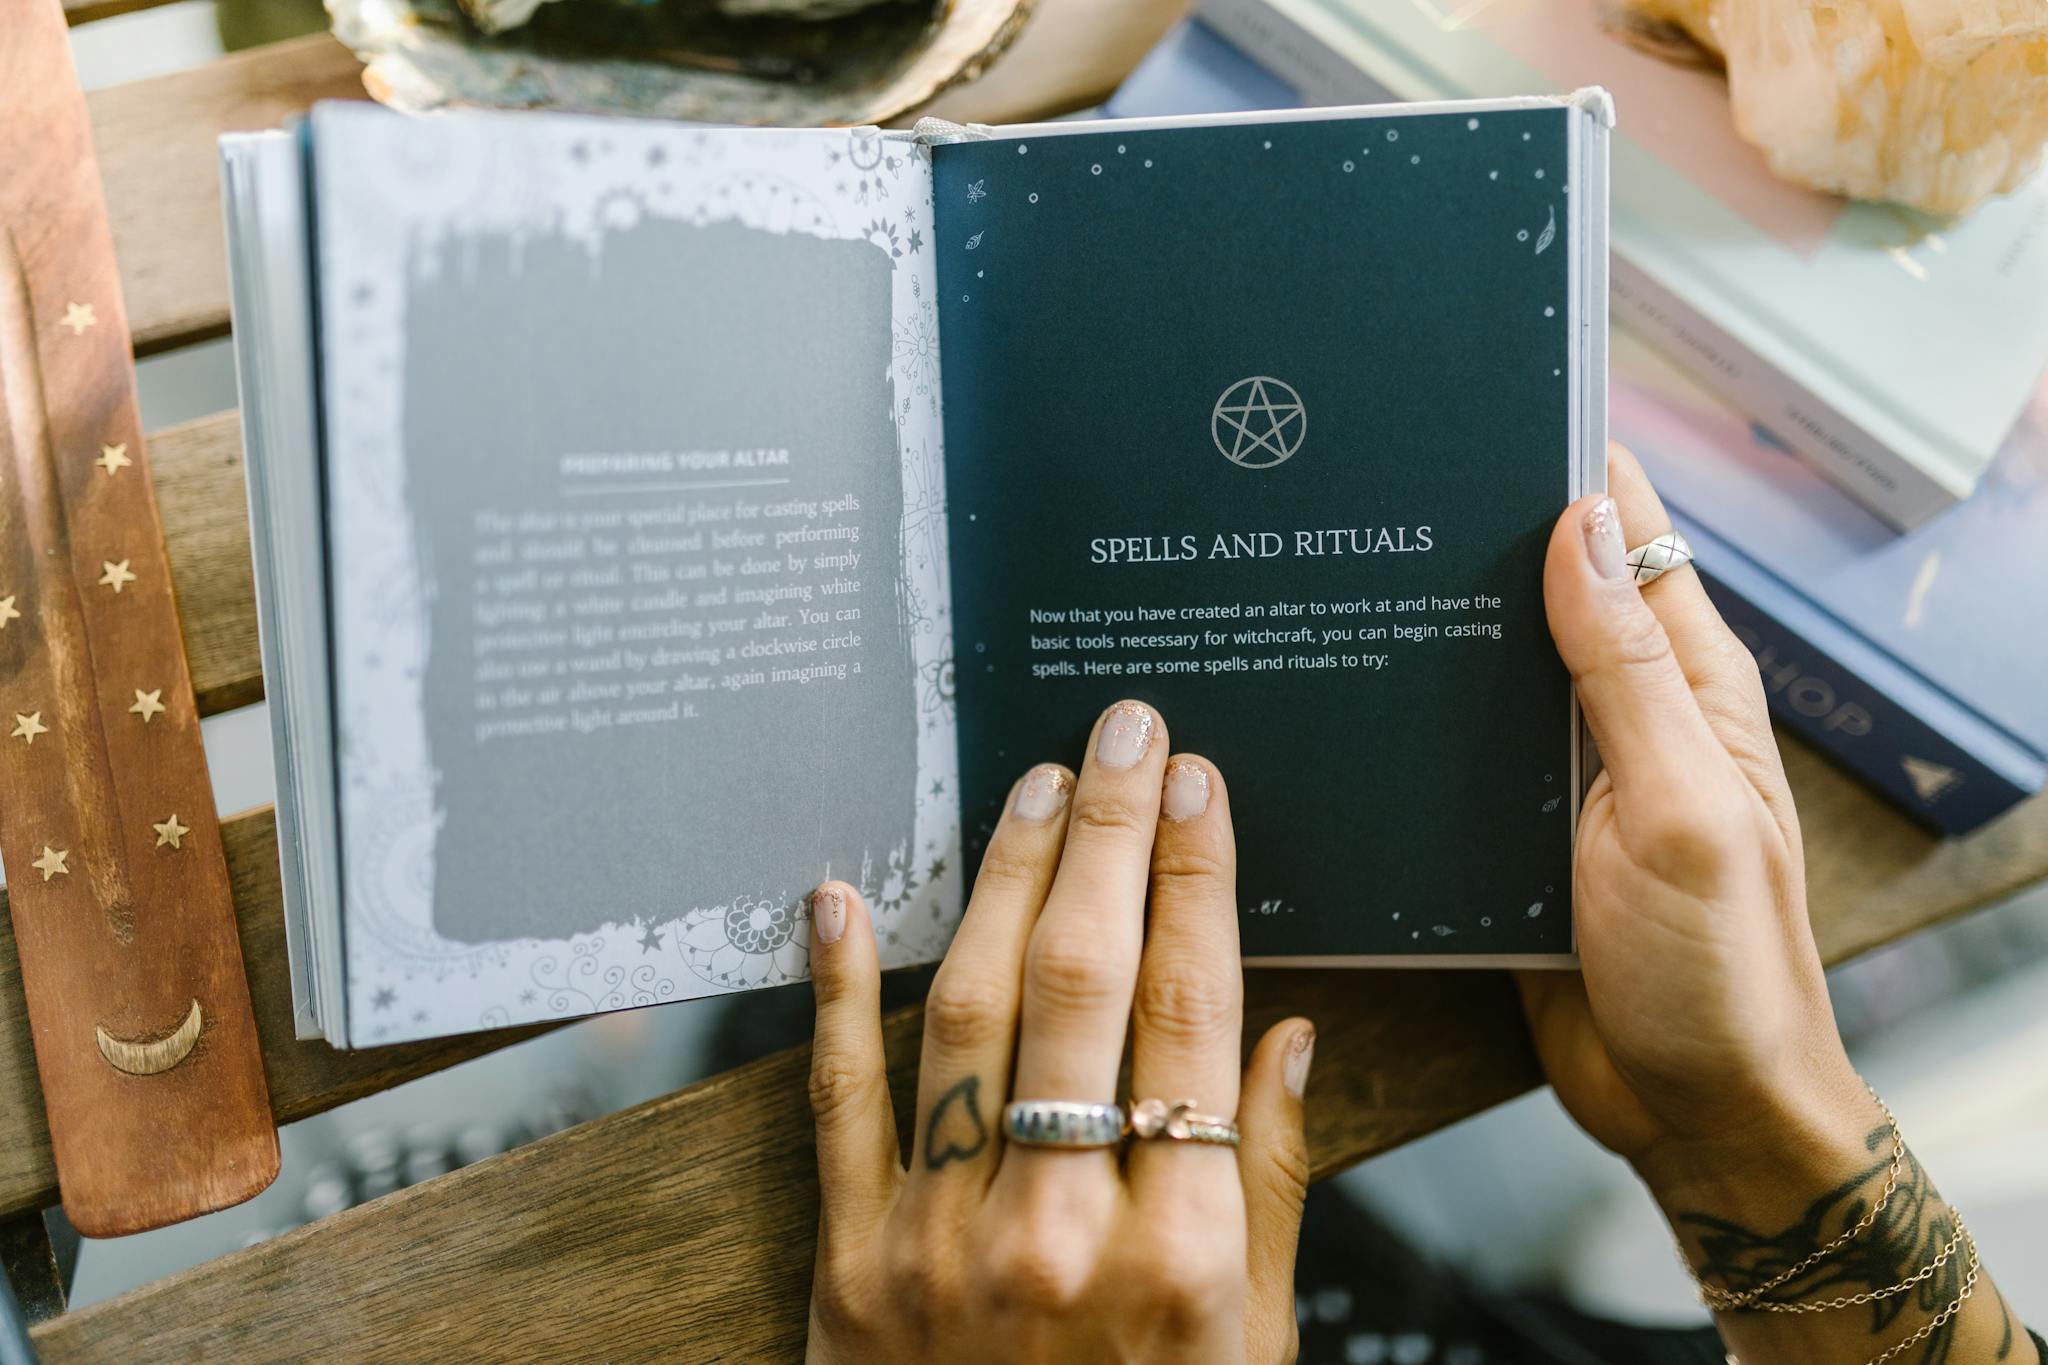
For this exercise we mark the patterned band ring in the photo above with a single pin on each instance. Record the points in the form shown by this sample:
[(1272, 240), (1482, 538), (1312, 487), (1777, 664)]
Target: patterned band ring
[(1178, 1122), (1652, 561), (1063, 1123)]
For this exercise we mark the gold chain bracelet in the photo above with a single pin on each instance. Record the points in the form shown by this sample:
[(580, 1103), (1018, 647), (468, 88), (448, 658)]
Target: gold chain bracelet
[(1869, 1295), (1752, 1300), (1939, 1320), (1732, 1300), (1955, 1305)]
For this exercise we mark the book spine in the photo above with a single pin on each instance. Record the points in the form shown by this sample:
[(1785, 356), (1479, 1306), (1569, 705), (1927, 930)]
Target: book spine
[(1904, 752), (1843, 452), (1836, 448)]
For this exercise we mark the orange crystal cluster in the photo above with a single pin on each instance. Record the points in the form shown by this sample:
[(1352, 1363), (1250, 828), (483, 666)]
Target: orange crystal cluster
[(1934, 104)]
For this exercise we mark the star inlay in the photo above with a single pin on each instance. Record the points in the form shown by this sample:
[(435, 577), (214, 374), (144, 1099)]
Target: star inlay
[(27, 727), (7, 610), (51, 864), (116, 575), (113, 457), (170, 832), (78, 317), (147, 704)]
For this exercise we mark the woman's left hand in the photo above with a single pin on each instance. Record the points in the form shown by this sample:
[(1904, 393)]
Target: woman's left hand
[(982, 1250)]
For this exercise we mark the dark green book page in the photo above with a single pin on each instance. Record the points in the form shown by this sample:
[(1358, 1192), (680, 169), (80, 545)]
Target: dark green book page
[(1267, 425)]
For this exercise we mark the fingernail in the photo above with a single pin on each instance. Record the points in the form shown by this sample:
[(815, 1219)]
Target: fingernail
[(828, 911), (1302, 1051), (1187, 791), (1044, 793), (1126, 733), (1603, 540)]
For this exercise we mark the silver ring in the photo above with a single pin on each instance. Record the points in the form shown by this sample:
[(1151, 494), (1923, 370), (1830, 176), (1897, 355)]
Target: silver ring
[(1651, 562), (1063, 1123), (1178, 1122)]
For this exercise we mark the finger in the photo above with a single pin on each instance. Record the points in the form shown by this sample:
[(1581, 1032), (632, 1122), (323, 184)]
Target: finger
[(1187, 1020), (857, 1168), (1272, 1160), (1718, 667), (1082, 962), (1636, 698), (970, 1018)]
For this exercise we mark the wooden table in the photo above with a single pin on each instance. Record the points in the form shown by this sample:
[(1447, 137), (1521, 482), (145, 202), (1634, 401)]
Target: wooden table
[(682, 1229)]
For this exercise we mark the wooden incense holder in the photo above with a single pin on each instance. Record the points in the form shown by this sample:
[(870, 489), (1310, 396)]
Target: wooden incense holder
[(118, 887)]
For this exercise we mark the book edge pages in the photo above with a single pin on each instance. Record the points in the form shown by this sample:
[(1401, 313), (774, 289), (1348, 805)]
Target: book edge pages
[(1588, 178), (1591, 102), (267, 269)]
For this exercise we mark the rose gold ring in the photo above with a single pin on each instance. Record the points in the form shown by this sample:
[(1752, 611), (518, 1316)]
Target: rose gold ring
[(1178, 1122)]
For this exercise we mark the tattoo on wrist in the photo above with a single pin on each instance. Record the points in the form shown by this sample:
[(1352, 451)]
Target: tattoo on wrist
[(1909, 1264), (956, 1131)]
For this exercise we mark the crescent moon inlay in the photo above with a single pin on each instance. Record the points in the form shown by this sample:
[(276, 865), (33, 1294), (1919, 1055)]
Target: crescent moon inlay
[(149, 1058)]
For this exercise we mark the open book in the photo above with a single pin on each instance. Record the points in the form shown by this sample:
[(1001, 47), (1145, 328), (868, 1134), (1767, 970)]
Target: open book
[(652, 521)]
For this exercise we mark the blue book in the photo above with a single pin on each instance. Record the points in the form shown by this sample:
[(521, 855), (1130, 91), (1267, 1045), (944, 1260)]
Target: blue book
[(1905, 658), (1194, 71), (1910, 659)]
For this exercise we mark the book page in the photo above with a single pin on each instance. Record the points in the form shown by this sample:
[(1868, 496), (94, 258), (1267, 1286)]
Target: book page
[(637, 555), (1268, 424)]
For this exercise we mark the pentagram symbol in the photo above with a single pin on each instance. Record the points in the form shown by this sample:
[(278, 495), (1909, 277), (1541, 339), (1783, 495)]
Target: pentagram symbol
[(1258, 422)]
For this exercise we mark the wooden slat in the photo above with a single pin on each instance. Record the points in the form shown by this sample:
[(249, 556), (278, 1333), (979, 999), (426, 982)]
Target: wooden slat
[(156, 139), (156, 142), (198, 472), (305, 1078), (28, 1263), (85, 11), (682, 1229)]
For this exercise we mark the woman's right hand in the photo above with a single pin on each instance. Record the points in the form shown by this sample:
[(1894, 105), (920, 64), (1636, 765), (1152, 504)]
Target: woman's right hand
[(1702, 1007), (1698, 1041)]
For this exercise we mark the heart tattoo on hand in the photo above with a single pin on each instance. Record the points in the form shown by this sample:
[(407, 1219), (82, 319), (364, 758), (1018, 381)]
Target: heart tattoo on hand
[(956, 1130)]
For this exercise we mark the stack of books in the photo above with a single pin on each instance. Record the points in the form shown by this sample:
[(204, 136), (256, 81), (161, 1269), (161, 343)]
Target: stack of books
[(1809, 312), (1868, 508)]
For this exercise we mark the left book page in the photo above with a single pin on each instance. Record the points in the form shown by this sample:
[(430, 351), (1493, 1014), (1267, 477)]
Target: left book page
[(636, 557)]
